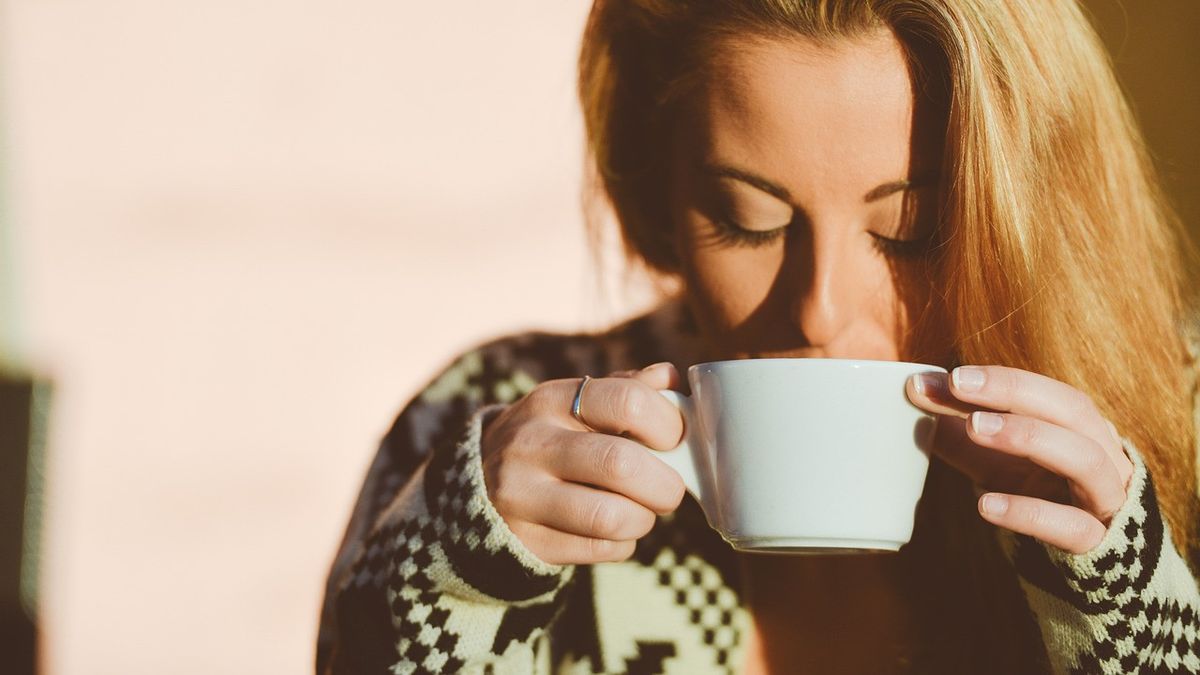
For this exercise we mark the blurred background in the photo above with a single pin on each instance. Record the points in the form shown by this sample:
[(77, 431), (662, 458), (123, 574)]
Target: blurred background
[(235, 237)]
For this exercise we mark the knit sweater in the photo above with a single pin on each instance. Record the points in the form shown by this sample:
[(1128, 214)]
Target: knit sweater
[(429, 578)]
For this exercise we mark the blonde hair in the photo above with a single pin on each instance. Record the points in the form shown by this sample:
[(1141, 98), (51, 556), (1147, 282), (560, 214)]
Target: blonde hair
[(1057, 253)]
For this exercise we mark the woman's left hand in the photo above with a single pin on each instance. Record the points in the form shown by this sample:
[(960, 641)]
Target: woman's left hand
[(1053, 466)]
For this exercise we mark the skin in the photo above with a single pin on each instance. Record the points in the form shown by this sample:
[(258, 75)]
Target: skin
[(835, 130), (809, 271), (788, 193)]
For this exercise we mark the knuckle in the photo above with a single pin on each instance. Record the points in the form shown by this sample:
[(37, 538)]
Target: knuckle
[(493, 443), (616, 463), (1028, 433), (603, 520), (544, 395), (630, 403), (500, 434), (504, 498), (537, 395), (1095, 461), (513, 438), (1031, 516), (523, 441)]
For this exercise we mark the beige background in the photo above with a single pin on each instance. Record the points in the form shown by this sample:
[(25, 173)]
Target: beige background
[(245, 232), (248, 230)]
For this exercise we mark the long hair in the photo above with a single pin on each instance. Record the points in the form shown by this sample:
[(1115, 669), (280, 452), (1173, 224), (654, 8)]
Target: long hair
[(1056, 252)]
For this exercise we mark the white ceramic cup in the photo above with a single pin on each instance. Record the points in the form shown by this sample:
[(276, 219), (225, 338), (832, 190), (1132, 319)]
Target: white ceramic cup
[(804, 455)]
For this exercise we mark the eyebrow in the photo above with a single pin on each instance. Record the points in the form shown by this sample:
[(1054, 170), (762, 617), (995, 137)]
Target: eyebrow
[(874, 194)]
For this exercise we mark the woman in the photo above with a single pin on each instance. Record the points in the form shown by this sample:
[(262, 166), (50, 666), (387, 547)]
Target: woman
[(943, 181)]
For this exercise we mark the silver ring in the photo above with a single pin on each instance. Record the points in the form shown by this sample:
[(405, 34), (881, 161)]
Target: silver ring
[(577, 404)]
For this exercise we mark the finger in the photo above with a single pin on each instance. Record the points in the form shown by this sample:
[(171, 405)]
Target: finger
[(993, 470), (1094, 479), (562, 548), (618, 465), (617, 406), (931, 392), (586, 511), (1067, 527), (1124, 464), (662, 375), (983, 466), (1033, 395), (629, 374)]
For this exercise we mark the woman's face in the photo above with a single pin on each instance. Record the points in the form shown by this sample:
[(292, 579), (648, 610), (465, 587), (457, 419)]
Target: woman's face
[(802, 187)]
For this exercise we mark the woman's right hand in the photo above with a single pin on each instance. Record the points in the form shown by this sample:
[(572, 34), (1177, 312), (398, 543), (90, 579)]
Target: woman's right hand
[(574, 496)]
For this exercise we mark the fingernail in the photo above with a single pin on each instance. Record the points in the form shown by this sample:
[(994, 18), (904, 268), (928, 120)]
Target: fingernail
[(968, 378), (930, 385), (986, 423), (993, 504)]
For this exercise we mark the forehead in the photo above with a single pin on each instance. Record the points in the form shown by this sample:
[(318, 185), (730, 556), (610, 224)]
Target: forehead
[(798, 111)]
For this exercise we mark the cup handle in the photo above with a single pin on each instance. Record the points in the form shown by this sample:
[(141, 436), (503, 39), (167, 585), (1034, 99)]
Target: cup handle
[(682, 458)]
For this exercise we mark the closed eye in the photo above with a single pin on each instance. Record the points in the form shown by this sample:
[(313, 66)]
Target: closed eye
[(901, 248), (727, 232)]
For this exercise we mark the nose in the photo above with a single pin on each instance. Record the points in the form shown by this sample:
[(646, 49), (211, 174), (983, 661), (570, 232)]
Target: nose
[(831, 285)]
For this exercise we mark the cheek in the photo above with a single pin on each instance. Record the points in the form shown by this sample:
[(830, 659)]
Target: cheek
[(727, 284), (923, 327), (895, 298)]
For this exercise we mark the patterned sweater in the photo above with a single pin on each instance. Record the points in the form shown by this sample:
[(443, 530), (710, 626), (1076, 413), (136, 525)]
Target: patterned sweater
[(429, 579)]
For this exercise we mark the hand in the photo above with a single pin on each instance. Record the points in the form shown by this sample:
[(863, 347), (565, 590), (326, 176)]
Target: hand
[(1053, 465), (574, 496)]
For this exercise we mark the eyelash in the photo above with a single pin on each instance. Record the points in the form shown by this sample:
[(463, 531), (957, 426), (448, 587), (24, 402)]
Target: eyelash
[(914, 248), (728, 233)]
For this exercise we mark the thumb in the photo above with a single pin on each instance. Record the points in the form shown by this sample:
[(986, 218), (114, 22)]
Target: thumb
[(663, 375)]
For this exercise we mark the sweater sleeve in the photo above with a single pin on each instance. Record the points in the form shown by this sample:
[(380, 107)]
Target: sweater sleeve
[(436, 582), (1130, 605), (462, 591)]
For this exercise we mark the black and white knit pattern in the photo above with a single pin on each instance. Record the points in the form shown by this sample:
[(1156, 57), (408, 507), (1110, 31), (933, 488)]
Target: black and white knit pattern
[(458, 547), (710, 604), (429, 579), (1127, 606)]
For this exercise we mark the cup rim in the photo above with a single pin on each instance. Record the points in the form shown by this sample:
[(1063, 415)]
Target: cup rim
[(861, 363)]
